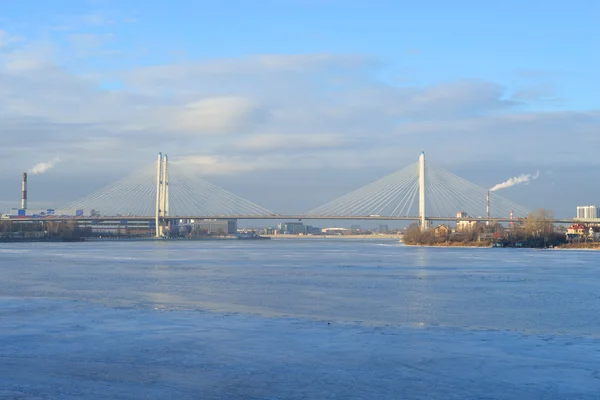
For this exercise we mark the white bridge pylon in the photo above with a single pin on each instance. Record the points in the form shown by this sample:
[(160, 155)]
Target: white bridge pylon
[(440, 194), (162, 193), (422, 191)]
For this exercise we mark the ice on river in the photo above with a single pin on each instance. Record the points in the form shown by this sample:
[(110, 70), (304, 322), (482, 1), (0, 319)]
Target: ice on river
[(331, 319)]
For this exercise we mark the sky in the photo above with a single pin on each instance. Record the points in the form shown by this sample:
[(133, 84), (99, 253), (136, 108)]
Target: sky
[(291, 103)]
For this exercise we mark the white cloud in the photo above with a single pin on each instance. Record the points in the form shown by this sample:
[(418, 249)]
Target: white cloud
[(212, 165), (28, 58), (215, 115), (268, 111), (87, 44), (7, 40), (270, 142)]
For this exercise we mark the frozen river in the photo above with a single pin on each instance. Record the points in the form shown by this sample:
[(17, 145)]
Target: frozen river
[(297, 319)]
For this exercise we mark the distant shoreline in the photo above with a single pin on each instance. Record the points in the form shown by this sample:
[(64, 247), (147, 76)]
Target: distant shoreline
[(374, 237), (450, 246), (471, 245), (483, 244), (579, 246), (128, 239)]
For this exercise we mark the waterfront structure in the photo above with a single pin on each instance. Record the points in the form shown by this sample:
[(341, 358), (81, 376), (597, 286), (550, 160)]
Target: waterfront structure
[(295, 228), (123, 227), (580, 231), (216, 226), (292, 228), (594, 233), (462, 224), (588, 212), (442, 231), (49, 212), (313, 230), (269, 231), (335, 231)]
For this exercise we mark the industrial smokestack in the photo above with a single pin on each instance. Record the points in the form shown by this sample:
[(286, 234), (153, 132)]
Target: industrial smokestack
[(24, 191)]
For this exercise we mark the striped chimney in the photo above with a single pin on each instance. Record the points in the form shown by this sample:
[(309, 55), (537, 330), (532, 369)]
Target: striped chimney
[(24, 191)]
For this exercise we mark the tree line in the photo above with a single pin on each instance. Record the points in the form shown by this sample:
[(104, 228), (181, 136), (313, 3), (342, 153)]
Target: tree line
[(42, 229), (536, 230)]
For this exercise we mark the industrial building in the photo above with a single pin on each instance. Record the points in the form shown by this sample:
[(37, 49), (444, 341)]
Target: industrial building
[(48, 212), (297, 228), (216, 226), (292, 228), (23, 211), (355, 228), (462, 225), (119, 228)]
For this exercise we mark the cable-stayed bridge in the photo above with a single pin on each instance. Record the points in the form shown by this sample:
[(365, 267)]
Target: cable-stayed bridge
[(166, 192), (422, 190), (419, 192)]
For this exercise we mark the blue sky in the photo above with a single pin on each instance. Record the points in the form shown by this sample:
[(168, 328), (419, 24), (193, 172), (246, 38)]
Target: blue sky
[(234, 85), (511, 42)]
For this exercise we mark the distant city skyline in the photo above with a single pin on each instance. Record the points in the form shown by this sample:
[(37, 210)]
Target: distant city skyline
[(295, 102)]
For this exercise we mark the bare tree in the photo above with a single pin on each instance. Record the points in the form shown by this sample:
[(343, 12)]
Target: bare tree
[(412, 234), (539, 223)]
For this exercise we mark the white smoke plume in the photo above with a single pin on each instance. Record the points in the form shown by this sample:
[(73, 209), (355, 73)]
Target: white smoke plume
[(42, 167), (516, 180)]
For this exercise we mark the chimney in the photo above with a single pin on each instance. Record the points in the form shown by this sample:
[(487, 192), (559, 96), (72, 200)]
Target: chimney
[(24, 191)]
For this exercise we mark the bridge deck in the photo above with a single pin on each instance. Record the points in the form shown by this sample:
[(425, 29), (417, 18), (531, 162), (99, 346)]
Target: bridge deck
[(291, 217)]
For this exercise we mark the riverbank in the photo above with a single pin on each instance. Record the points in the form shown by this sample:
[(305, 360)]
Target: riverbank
[(160, 239), (452, 244), (43, 240), (580, 246), (375, 237), (566, 246), (129, 239)]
